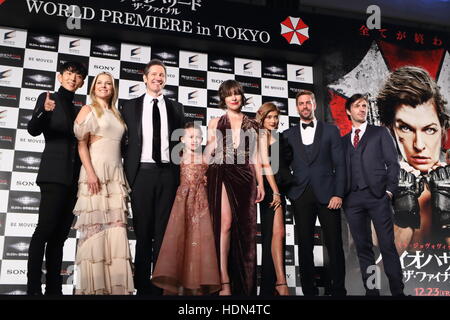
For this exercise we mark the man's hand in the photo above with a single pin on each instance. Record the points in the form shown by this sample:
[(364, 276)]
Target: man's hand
[(335, 203), (390, 195), (276, 202), (49, 104), (406, 203), (440, 195)]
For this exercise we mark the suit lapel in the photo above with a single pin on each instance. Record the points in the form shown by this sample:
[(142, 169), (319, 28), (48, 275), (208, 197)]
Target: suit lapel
[(317, 140), (170, 116), (365, 138), (139, 110), (347, 145), (298, 137)]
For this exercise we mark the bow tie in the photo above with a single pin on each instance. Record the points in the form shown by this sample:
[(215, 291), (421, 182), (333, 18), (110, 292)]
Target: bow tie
[(306, 125)]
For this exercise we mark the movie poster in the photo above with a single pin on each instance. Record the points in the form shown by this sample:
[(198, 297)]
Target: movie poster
[(420, 131)]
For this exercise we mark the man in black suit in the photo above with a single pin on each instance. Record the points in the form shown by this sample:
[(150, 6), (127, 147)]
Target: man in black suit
[(372, 180), (57, 178), (314, 152), (150, 169)]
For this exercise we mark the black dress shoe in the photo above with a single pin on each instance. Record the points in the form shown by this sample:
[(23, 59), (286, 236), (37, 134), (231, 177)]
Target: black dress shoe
[(53, 293), (311, 292), (339, 294), (372, 293), (35, 293)]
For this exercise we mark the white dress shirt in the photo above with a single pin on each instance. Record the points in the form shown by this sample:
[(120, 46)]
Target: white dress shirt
[(308, 133), (147, 129), (363, 128)]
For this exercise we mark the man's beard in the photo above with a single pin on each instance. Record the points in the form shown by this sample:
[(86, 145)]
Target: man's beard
[(309, 117), (361, 121)]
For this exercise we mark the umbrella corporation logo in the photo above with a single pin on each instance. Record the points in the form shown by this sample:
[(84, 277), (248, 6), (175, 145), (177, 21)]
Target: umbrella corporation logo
[(294, 30)]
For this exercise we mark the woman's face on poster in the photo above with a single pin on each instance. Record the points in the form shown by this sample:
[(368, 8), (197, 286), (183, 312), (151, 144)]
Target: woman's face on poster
[(419, 134)]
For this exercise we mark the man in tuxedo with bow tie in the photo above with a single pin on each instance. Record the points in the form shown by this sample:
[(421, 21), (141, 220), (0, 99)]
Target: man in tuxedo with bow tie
[(372, 180), (313, 151), (150, 170)]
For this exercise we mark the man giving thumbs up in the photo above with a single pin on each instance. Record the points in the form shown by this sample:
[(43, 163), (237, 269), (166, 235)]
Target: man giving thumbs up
[(57, 178)]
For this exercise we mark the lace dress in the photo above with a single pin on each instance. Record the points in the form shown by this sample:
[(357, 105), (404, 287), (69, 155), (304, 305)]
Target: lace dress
[(103, 259), (187, 262)]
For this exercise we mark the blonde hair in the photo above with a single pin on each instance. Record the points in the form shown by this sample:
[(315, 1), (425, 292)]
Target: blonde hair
[(112, 101), (263, 111)]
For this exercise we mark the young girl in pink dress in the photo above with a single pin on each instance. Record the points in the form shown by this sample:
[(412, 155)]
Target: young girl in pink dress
[(187, 262)]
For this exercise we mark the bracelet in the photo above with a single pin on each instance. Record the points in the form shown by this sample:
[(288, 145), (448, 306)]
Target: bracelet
[(276, 194)]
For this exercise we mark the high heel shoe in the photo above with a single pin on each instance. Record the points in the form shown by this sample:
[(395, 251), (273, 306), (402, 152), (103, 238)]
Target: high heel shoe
[(277, 293), (229, 286)]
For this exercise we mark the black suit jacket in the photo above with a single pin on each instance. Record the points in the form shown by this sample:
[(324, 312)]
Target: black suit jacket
[(325, 170), (60, 162), (379, 159), (132, 143)]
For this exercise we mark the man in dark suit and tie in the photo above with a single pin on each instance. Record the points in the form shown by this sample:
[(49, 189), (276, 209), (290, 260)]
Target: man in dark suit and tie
[(372, 180), (150, 170), (57, 178), (314, 153)]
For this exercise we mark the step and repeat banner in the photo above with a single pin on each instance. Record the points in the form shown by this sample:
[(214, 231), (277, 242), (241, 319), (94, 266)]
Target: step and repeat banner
[(272, 53), (28, 65)]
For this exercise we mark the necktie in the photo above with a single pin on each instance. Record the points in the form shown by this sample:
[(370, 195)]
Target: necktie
[(306, 125), (356, 138), (156, 132)]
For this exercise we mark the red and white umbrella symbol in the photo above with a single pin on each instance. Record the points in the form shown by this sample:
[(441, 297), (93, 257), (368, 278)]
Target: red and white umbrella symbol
[(294, 30)]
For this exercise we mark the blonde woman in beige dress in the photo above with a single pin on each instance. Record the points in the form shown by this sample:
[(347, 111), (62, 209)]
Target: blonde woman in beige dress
[(103, 259)]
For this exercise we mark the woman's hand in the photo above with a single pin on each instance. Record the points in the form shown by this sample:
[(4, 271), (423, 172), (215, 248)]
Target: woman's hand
[(406, 201), (259, 193), (440, 194), (93, 183)]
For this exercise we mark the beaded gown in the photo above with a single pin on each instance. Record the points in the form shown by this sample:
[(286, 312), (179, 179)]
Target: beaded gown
[(187, 262)]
